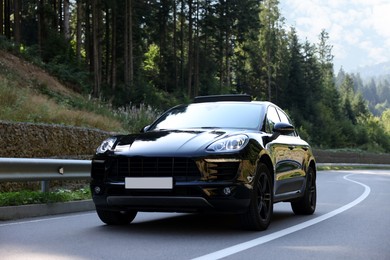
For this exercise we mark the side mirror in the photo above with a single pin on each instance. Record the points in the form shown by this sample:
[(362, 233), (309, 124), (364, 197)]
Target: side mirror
[(283, 128), (279, 129)]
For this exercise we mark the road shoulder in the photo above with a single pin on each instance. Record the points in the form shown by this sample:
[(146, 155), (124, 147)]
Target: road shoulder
[(37, 210)]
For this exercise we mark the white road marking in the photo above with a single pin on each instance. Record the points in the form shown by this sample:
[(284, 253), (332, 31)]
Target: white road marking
[(261, 240), (42, 220)]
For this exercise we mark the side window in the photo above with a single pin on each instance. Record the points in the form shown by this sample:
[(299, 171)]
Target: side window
[(271, 120), (285, 119)]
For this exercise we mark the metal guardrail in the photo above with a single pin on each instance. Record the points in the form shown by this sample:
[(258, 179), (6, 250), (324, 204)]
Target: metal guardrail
[(44, 170), (21, 169)]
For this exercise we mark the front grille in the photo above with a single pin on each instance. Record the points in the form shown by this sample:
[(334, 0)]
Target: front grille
[(183, 169)]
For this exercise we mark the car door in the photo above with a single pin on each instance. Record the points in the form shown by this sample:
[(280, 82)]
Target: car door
[(288, 153)]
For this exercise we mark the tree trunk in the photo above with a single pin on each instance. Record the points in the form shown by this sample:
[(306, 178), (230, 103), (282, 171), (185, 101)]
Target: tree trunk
[(78, 30), (164, 12), (88, 35), (56, 16), (7, 18), (66, 20), (126, 44), (175, 45), (1, 17), (190, 48), (96, 49), (107, 41), (17, 22), (131, 66), (197, 43), (113, 48), (182, 20), (227, 60), (227, 47), (41, 24)]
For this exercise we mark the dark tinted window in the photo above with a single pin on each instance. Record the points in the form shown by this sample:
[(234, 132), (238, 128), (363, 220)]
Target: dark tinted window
[(272, 119), (210, 115), (285, 119)]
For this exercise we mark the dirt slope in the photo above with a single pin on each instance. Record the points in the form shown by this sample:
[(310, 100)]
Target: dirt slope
[(29, 73)]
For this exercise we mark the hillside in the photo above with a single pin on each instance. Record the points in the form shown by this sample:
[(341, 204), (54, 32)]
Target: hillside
[(28, 75), (381, 70), (30, 94)]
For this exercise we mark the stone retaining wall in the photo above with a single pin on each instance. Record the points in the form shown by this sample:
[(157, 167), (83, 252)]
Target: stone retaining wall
[(323, 156), (26, 140)]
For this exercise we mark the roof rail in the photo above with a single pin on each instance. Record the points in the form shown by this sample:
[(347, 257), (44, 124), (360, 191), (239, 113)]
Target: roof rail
[(228, 97)]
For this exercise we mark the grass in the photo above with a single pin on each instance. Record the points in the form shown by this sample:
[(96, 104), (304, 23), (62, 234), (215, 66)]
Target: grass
[(27, 105), (26, 197)]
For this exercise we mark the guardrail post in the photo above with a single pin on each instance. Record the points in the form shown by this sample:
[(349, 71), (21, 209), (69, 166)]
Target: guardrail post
[(45, 186)]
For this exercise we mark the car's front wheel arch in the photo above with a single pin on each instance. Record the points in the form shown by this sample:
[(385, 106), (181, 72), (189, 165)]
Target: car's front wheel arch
[(266, 160), (306, 205), (259, 213)]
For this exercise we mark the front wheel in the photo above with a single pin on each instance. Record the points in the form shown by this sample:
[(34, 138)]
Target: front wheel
[(307, 204), (116, 217), (258, 216)]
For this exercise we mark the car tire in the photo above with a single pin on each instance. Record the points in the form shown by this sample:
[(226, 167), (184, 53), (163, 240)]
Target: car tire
[(116, 217), (307, 204), (258, 216)]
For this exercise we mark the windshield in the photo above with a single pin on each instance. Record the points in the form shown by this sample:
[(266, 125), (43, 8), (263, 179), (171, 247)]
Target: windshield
[(212, 115)]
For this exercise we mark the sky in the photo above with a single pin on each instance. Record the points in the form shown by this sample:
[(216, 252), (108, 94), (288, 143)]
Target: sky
[(359, 30)]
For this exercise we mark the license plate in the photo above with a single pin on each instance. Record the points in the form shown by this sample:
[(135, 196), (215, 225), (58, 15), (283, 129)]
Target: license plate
[(149, 183)]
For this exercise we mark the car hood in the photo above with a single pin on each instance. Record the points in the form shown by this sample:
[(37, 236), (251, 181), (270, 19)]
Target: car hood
[(168, 143)]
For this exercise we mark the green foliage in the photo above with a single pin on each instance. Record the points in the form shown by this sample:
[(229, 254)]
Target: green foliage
[(385, 121), (35, 197), (70, 73), (150, 64), (378, 139)]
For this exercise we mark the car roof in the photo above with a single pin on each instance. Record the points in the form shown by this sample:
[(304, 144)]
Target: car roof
[(227, 97), (234, 98)]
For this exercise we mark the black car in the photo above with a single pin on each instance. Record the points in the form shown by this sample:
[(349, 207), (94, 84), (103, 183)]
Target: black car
[(221, 153)]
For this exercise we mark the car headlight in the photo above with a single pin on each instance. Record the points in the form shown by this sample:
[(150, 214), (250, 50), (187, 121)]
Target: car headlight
[(231, 143), (106, 145)]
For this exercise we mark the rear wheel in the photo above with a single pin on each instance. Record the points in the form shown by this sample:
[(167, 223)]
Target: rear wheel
[(258, 216), (307, 204), (116, 217)]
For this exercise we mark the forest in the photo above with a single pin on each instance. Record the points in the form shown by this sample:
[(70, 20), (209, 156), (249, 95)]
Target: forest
[(165, 52)]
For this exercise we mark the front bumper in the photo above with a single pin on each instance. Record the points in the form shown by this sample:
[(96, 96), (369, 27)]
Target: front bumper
[(202, 184), (184, 197)]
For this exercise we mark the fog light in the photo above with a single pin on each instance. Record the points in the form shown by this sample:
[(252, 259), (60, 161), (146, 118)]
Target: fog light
[(227, 191), (97, 190)]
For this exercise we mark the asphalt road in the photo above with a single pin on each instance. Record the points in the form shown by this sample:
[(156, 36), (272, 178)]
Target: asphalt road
[(352, 221)]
